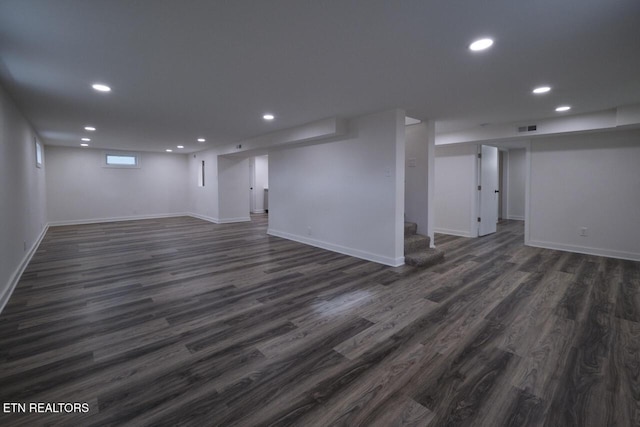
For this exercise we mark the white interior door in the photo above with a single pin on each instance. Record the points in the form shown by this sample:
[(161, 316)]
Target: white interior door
[(252, 183), (488, 190)]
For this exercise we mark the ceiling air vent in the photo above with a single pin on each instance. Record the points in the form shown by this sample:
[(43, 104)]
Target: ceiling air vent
[(529, 128)]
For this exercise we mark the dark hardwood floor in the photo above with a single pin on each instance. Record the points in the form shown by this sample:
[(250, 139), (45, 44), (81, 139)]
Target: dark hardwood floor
[(182, 322)]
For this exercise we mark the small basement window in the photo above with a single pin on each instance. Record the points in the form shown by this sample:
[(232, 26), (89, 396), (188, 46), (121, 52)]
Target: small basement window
[(122, 160), (201, 175)]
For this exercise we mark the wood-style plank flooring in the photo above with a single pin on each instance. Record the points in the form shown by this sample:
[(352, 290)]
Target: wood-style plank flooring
[(182, 322)]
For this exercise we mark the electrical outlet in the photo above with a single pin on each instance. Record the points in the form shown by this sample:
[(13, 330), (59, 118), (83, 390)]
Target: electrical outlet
[(583, 231), (24, 244), (309, 231)]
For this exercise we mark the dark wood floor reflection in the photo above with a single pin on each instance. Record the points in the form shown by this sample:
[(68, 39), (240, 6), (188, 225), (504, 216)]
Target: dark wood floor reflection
[(182, 322)]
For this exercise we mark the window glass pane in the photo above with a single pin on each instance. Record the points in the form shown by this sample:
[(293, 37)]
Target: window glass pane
[(113, 159), (201, 175), (38, 154)]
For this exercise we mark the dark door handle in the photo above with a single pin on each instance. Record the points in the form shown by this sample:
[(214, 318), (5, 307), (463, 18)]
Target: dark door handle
[(496, 191)]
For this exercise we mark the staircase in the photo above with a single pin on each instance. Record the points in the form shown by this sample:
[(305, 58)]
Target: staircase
[(416, 248)]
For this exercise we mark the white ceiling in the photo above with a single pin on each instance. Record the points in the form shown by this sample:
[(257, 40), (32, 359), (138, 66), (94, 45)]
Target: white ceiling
[(184, 69)]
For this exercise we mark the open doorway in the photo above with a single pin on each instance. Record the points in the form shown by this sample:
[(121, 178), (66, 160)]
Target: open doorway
[(513, 179), (516, 184), (508, 167), (458, 186)]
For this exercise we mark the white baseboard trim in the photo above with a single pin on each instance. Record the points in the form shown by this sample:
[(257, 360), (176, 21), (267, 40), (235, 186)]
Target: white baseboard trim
[(220, 220), (115, 219), (230, 220), (258, 211), (15, 278), (397, 262), (204, 217), (585, 250), (460, 233), (515, 217)]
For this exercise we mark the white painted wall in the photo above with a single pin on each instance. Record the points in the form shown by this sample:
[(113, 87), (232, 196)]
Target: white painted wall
[(80, 189), (261, 165), (23, 214), (203, 201), (233, 189), (455, 198), (416, 179), (587, 180), (516, 176), (207, 202), (346, 195), (306, 133)]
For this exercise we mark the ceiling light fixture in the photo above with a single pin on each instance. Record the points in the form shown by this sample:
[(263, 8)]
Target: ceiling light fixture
[(268, 117), (562, 108), (101, 87), (86, 139), (180, 146), (168, 150), (541, 89), (481, 44), (89, 128), (201, 140), (84, 145)]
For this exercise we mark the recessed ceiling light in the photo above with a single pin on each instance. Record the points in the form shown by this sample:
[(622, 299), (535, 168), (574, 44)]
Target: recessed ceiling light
[(86, 139), (201, 140), (168, 150), (101, 87), (89, 128), (268, 117), (180, 146), (481, 44), (542, 89), (563, 108), (84, 145)]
